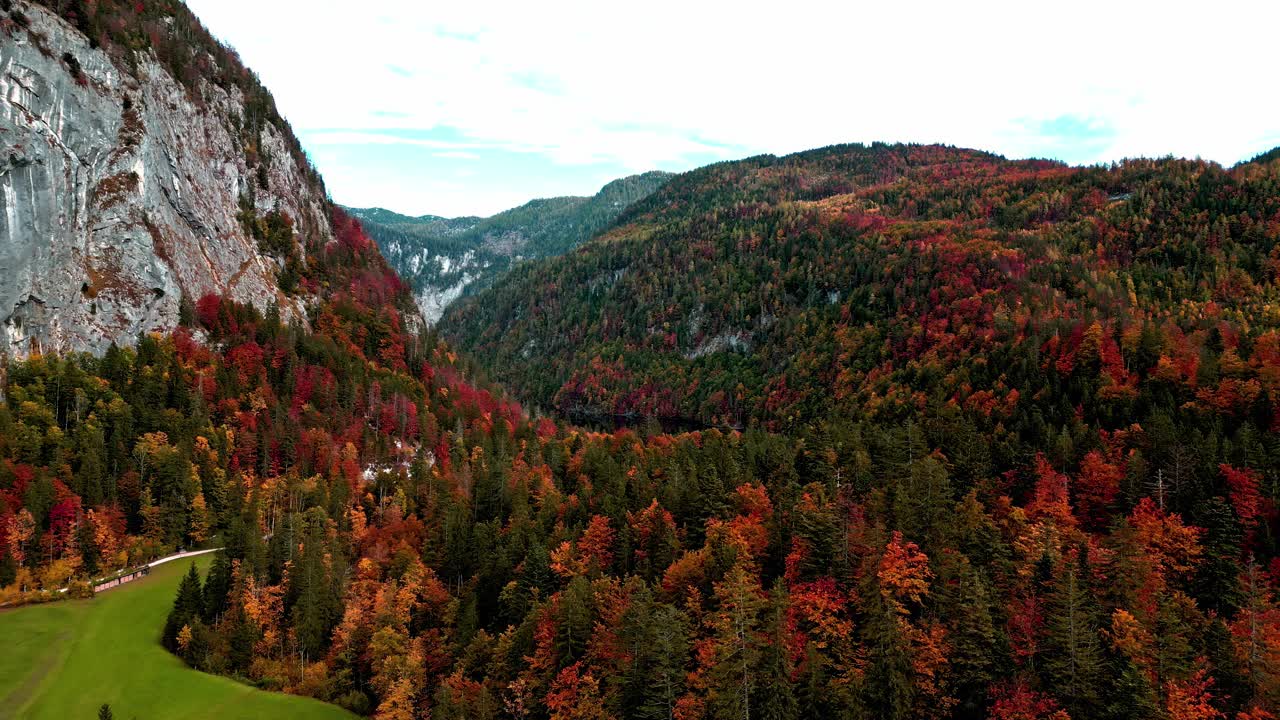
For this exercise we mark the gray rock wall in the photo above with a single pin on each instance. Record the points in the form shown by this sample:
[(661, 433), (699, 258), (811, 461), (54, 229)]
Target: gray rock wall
[(119, 193)]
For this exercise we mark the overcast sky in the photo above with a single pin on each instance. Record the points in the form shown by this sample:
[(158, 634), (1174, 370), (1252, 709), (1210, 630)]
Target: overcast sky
[(471, 107)]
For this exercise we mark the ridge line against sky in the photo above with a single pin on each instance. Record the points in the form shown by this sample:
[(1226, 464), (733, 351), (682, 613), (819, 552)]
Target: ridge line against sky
[(473, 108)]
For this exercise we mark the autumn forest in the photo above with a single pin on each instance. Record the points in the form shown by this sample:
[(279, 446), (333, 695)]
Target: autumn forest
[(886, 431)]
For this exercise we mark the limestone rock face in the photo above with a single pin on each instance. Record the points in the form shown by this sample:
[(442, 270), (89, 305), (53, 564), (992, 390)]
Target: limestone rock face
[(119, 193)]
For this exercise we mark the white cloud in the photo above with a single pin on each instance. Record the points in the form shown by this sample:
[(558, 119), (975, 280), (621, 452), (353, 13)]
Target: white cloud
[(458, 155), (666, 81), (351, 137)]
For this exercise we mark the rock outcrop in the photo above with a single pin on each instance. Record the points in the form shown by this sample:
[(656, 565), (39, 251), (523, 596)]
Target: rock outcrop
[(121, 191)]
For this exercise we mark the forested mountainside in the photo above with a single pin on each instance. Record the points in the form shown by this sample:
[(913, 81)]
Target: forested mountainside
[(447, 258), (144, 164), (405, 544), (1008, 451), (409, 545), (883, 281)]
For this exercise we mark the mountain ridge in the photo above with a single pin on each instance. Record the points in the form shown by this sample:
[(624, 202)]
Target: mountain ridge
[(738, 292), (447, 258)]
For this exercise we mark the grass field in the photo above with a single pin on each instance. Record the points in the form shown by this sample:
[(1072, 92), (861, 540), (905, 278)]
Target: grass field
[(63, 660)]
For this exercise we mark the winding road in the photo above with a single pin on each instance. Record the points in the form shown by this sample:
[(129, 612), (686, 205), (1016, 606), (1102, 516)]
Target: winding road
[(102, 586)]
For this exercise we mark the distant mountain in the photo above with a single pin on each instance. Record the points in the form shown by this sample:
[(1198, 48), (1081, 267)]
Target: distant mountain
[(447, 258)]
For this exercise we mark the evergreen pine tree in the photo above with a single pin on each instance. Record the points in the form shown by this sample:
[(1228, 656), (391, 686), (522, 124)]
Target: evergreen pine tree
[(1072, 662), (217, 586), (656, 635), (888, 688), (1217, 585), (187, 605), (575, 620), (774, 697), (1130, 695), (734, 676), (1229, 677), (316, 605), (965, 602)]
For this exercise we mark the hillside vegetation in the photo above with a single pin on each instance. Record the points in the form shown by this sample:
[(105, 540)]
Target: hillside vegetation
[(1105, 548), (993, 440), (880, 281)]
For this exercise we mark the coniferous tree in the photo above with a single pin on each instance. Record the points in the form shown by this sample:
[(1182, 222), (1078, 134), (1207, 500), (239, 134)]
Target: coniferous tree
[(965, 602), (187, 606), (774, 695), (1073, 662), (1130, 693), (316, 605), (888, 688), (656, 635), (217, 587), (576, 614), (735, 626), (1217, 584)]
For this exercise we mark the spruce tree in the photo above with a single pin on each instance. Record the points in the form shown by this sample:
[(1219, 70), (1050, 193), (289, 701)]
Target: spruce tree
[(657, 636), (575, 621), (1072, 660), (888, 689), (316, 603), (188, 604), (1130, 695), (734, 676), (217, 586), (965, 601), (774, 697), (1217, 585)]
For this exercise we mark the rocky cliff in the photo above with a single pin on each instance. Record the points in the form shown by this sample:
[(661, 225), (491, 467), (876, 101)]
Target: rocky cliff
[(123, 190)]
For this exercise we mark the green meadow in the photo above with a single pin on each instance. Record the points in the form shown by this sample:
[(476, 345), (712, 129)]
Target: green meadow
[(63, 660)]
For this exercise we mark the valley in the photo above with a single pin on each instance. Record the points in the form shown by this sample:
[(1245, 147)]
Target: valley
[(892, 430), (445, 259)]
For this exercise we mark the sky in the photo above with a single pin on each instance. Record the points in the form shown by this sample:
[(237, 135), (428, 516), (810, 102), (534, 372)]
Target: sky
[(471, 107)]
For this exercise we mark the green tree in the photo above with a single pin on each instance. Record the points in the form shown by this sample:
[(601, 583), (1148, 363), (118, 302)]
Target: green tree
[(735, 626), (576, 617), (217, 586), (188, 605), (1217, 585), (1072, 661), (316, 604), (657, 636), (888, 689), (1130, 695), (965, 601), (774, 694)]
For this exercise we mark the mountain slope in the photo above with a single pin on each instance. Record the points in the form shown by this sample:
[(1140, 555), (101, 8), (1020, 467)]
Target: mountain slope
[(139, 157), (873, 279), (444, 259), (981, 529)]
